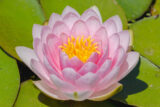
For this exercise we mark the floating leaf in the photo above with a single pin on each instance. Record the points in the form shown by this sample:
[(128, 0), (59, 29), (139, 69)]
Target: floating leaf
[(107, 8), (147, 38), (134, 8), (141, 86), (30, 96), (9, 80), (16, 20)]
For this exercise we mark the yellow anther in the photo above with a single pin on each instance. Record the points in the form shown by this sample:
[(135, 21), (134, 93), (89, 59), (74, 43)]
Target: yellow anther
[(80, 47)]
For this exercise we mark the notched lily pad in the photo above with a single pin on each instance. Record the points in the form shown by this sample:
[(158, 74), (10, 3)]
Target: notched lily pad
[(147, 38), (9, 80), (134, 8), (141, 86), (16, 20)]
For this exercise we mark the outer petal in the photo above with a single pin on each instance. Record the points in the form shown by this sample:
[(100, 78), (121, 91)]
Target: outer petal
[(59, 28), (52, 93), (69, 9), (53, 19), (46, 30), (106, 93), (88, 67), (79, 95), (36, 31), (114, 43), (38, 48), (79, 29), (118, 22), (104, 69), (130, 62), (26, 54), (124, 39), (87, 81), (61, 84), (108, 80), (69, 19), (93, 11), (70, 75), (93, 24), (110, 27)]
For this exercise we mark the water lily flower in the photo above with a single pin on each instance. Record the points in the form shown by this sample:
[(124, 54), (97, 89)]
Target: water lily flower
[(78, 57)]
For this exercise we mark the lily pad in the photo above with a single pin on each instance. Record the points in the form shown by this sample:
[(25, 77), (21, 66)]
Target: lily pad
[(9, 80), (107, 8), (30, 96), (156, 8), (147, 38), (16, 20), (134, 8), (141, 86)]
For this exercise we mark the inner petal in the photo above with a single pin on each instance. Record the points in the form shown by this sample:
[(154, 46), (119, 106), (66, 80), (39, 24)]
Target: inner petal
[(80, 47)]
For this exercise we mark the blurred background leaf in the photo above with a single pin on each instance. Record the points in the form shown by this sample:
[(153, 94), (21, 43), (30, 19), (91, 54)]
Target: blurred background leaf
[(16, 20)]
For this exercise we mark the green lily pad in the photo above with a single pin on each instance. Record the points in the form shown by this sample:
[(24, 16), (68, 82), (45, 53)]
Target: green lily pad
[(9, 80), (141, 86), (156, 8), (30, 96), (134, 8), (147, 38), (107, 8), (16, 20)]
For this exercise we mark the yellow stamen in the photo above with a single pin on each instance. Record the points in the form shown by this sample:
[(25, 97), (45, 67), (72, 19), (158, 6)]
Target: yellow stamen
[(80, 47)]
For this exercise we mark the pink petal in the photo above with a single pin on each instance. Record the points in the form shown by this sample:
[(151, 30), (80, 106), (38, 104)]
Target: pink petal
[(97, 11), (46, 30), (124, 39), (74, 62), (119, 57), (88, 67), (79, 29), (114, 43), (38, 48), (87, 81), (61, 84), (69, 9), (130, 62), (91, 12), (108, 80), (93, 58), (118, 22), (101, 35), (103, 57), (59, 28), (78, 95), (64, 38), (93, 24), (26, 54), (104, 69), (40, 70), (106, 93), (70, 75), (52, 93), (53, 19), (69, 19), (110, 27), (36, 31)]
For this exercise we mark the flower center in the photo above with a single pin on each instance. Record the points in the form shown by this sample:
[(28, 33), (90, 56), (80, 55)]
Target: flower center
[(80, 47)]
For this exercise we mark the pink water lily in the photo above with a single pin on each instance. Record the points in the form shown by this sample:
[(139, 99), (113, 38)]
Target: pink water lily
[(78, 57)]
